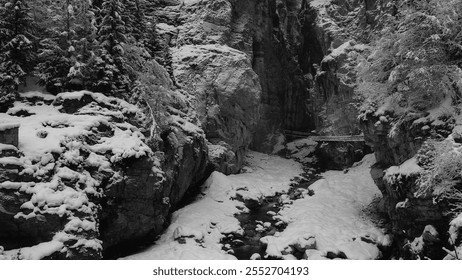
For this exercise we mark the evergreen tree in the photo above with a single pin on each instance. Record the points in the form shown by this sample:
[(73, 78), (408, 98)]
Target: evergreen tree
[(110, 75), (68, 32), (415, 62), (134, 18), (57, 52), (79, 44), (85, 28), (15, 44), (54, 65)]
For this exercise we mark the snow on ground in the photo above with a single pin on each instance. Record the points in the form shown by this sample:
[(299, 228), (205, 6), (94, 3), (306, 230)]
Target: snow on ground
[(333, 216), (409, 167), (320, 3), (202, 224), (44, 130)]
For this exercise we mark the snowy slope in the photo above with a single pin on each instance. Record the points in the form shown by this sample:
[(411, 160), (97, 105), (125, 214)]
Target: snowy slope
[(333, 216), (319, 3)]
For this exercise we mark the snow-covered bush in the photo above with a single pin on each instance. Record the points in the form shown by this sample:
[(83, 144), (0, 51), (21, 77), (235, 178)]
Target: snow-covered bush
[(369, 96), (415, 59), (442, 176)]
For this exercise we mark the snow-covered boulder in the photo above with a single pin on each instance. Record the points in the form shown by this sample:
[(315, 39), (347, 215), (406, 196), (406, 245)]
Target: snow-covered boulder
[(306, 242), (223, 158), (88, 175)]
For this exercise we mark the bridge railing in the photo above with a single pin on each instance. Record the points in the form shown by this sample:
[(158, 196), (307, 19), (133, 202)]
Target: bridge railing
[(317, 138)]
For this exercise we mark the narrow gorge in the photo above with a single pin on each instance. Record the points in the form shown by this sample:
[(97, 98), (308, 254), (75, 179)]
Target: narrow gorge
[(230, 142)]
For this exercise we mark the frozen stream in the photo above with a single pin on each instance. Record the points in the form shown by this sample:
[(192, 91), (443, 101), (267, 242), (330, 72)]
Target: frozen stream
[(272, 211)]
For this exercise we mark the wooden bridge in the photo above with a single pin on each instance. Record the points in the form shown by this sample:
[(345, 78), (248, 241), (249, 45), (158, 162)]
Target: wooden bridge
[(310, 136)]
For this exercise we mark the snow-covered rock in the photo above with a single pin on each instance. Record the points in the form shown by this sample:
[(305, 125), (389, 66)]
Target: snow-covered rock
[(224, 91), (92, 178), (223, 158), (306, 242)]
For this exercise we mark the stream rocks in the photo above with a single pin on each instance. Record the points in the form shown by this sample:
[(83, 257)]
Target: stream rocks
[(304, 243)]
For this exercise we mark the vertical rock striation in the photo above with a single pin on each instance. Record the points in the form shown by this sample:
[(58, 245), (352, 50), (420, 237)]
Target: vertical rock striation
[(286, 43)]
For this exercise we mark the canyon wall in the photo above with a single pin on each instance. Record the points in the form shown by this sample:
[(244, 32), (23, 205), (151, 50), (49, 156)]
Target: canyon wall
[(284, 46)]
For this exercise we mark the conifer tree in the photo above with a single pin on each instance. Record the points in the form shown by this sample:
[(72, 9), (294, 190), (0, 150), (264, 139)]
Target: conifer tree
[(148, 27), (57, 50), (134, 18), (86, 28), (110, 74), (15, 44)]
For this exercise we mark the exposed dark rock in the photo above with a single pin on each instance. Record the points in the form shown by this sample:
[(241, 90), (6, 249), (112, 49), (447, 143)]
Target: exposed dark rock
[(333, 102), (9, 135), (340, 155), (396, 141), (223, 158)]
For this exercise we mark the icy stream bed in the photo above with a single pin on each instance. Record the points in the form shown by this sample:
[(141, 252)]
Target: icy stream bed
[(275, 210)]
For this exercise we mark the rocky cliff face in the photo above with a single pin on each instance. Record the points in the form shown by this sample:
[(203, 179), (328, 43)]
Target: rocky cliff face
[(282, 46), (399, 145), (91, 172), (225, 93), (217, 80)]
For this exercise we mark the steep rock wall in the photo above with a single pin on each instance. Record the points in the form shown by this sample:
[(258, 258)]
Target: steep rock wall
[(285, 42), (218, 80)]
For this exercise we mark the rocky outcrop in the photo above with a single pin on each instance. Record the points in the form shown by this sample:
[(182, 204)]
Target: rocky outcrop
[(225, 92), (327, 155), (223, 158), (138, 203), (334, 101), (340, 155), (89, 179), (394, 140), (398, 145)]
